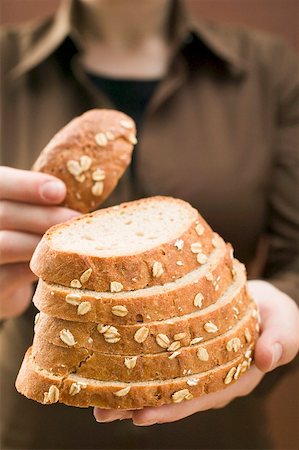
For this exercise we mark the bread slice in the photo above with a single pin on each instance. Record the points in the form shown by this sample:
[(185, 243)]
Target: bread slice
[(128, 247), (199, 288), (89, 155), (137, 339), (45, 387), (158, 366)]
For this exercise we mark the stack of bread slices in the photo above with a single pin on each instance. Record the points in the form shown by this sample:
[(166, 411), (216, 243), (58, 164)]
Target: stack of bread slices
[(141, 304)]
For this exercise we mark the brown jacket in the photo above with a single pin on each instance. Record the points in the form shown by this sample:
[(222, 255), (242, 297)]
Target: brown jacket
[(221, 132)]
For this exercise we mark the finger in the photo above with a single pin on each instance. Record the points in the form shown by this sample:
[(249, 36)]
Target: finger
[(279, 340), (32, 218), (174, 412), (30, 187), (17, 303), (109, 415), (15, 282), (16, 246), (14, 275)]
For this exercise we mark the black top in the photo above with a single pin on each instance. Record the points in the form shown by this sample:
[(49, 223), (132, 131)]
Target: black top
[(128, 96)]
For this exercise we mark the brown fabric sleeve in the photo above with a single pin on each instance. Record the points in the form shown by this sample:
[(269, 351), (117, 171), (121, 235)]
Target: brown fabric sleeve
[(282, 268)]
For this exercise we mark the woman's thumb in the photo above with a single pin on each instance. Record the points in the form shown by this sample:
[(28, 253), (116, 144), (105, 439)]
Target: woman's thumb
[(279, 339)]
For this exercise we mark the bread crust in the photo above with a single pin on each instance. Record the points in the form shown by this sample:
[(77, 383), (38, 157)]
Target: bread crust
[(133, 271), (144, 305), (77, 139), (34, 383), (101, 366), (222, 314)]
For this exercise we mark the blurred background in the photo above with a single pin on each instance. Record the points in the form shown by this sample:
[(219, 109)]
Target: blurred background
[(276, 16)]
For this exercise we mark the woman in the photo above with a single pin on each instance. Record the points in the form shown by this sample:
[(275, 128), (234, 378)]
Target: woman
[(217, 112)]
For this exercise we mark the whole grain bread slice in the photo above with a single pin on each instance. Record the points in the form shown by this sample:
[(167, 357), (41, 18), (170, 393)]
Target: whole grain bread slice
[(45, 387), (141, 338), (127, 247), (158, 366), (89, 155), (198, 289)]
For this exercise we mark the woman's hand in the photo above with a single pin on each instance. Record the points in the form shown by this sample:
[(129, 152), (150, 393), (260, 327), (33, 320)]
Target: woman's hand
[(278, 344), (26, 212)]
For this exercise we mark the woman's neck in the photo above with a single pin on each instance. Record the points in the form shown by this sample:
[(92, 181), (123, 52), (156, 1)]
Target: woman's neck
[(125, 38), (125, 23)]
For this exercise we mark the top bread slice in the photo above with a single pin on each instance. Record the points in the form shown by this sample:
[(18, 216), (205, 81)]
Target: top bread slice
[(89, 155), (127, 247)]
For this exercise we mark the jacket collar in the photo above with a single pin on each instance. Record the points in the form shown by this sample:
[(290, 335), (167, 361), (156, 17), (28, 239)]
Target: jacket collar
[(43, 38)]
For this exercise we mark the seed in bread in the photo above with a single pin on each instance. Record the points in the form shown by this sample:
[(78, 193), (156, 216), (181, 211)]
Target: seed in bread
[(199, 229), (128, 124), (98, 175), (196, 247), (192, 382), (157, 269), (141, 334), (234, 344), (179, 244), (198, 300), (122, 392), (119, 310), (229, 377), (67, 337), (75, 388), (115, 286), (85, 276), (247, 335), (210, 327), (183, 394), (75, 283), (36, 318), (202, 354), (73, 299), (209, 276), (98, 188), (162, 340), (237, 372), (52, 396), (130, 363), (83, 308), (174, 346), (179, 336), (174, 354), (101, 139), (201, 258), (111, 335), (132, 138), (196, 340)]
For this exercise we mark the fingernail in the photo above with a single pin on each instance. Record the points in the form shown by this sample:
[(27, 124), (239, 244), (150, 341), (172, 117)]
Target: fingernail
[(104, 420), (52, 190), (125, 417), (276, 354), (110, 419), (145, 424)]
